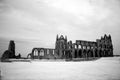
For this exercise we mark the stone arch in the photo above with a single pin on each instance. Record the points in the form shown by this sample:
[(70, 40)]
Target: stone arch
[(80, 53), (29, 56), (35, 52), (84, 52), (69, 52), (105, 53), (92, 52), (89, 53), (100, 53), (96, 55), (63, 53), (75, 53), (42, 52)]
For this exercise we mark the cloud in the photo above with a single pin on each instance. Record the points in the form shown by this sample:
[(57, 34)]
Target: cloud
[(42, 20)]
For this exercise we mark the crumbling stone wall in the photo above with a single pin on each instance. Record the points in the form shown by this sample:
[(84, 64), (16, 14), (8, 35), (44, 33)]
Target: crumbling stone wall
[(10, 53)]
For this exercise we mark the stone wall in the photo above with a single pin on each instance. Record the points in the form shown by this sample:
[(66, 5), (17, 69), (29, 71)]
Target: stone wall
[(80, 49)]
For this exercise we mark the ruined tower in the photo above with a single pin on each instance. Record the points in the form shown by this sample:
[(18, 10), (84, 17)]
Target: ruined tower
[(105, 47), (61, 45), (11, 48), (10, 53)]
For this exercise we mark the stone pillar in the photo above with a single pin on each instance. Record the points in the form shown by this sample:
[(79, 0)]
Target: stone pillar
[(73, 51), (111, 52), (93, 52), (60, 53), (98, 54), (38, 54), (32, 55), (77, 51), (11, 48), (102, 53), (86, 51), (82, 50)]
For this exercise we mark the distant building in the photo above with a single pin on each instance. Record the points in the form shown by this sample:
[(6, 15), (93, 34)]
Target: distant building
[(80, 49), (10, 53)]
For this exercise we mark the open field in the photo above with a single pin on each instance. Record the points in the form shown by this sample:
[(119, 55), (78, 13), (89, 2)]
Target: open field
[(102, 69)]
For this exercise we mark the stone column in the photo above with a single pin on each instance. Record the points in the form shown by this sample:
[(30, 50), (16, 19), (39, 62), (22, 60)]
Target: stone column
[(98, 50), (38, 54), (85, 51), (73, 51), (111, 53), (32, 54), (93, 52), (102, 51), (61, 53), (77, 51), (82, 51)]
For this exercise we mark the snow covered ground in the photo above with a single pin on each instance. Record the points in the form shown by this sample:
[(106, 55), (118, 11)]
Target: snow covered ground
[(102, 69)]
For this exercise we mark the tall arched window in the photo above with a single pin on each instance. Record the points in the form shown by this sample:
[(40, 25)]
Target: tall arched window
[(41, 52), (35, 52), (79, 46)]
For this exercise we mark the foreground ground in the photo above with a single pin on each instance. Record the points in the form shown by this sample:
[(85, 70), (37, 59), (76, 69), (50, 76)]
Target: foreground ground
[(101, 69)]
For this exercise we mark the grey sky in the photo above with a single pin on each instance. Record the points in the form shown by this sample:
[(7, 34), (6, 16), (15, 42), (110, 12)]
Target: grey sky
[(35, 23)]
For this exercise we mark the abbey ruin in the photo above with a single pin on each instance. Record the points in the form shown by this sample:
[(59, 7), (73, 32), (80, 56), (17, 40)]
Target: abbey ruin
[(10, 53), (65, 49)]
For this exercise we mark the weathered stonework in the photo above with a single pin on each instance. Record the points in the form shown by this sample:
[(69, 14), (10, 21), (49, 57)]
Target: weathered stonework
[(80, 49), (10, 53)]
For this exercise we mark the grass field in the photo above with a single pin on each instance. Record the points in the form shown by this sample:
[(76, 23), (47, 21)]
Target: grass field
[(102, 69)]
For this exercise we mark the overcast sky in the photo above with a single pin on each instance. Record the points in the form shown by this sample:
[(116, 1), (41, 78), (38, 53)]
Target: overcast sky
[(35, 23)]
